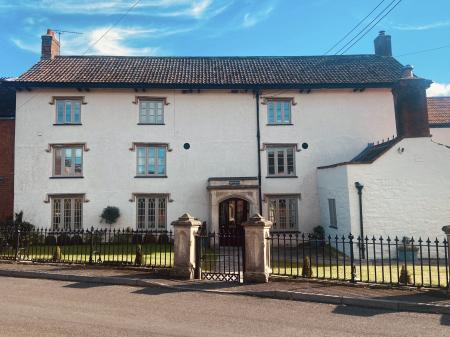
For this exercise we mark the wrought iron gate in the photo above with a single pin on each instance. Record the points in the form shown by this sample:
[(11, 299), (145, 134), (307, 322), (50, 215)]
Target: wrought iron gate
[(220, 256)]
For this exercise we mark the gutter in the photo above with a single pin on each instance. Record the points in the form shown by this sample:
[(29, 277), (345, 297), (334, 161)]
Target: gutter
[(258, 141)]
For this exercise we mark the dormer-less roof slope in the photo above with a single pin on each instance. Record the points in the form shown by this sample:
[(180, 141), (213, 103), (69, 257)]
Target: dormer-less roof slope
[(214, 72), (439, 111)]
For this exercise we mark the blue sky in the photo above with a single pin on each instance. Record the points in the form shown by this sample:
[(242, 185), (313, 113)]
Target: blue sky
[(224, 27)]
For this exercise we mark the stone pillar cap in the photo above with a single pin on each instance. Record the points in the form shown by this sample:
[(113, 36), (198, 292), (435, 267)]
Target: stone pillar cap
[(446, 229), (186, 220), (257, 220)]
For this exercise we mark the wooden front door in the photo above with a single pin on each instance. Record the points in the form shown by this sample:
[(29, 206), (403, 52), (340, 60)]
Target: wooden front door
[(233, 212)]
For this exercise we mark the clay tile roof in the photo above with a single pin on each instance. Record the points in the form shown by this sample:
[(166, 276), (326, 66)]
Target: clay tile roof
[(438, 111), (214, 72)]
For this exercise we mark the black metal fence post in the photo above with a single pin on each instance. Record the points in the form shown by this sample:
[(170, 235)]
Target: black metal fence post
[(91, 246), (17, 257), (352, 260), (198, 257)]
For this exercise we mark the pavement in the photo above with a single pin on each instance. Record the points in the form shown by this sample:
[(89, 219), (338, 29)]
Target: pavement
[(36, 307), (406, 299)]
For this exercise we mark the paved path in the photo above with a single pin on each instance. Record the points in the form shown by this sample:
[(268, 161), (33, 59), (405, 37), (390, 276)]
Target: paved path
[(57, 308)]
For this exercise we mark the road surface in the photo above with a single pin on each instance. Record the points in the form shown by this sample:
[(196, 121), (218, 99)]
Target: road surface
[(55, 308)]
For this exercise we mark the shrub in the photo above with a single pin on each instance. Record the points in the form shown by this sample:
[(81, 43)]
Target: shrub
[(405, 276), (137, 238), (318, 233), (138, 258), (76, 240), (50, 240), (150, 238), (306, 268), (63, 239), (57, 254), (110, 215), (163, 239)]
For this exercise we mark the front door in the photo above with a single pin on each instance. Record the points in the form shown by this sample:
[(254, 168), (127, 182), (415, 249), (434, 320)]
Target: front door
[(233, 212)]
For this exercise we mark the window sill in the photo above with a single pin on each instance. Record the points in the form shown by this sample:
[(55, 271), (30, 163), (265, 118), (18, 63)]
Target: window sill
[(66, 124), (68, 177), (281, 124), (150, 176), (270, 177), (333, 227), (151, 124)]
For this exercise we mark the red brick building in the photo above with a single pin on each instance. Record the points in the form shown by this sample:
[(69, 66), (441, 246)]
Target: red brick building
[(7, 125)]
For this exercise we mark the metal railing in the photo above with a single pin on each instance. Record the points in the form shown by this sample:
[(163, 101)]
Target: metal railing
[(143, 248), (405, 261)]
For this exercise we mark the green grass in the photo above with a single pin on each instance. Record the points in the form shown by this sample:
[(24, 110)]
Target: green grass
[(154, 255), (428, 276)]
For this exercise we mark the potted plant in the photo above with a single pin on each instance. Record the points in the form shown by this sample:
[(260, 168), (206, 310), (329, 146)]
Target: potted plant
[(406, 251), (110, 215)]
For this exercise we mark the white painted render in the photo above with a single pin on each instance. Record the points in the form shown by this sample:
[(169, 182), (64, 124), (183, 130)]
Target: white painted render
[(441, 135), (406, 192), (221, 129)]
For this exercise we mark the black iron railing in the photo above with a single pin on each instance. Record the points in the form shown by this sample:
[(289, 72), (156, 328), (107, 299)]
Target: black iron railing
[(144, 248), (393, 261)]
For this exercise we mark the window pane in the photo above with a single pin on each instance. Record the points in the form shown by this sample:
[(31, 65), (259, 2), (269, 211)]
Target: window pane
[(76, 111), (67, 161), (141, 213), (332, 212), (290, 161), (287, 112), (159, 113), (59, 112), (78, 214), (78, 161), (271, 159), (67, 213), (280, 162), (282, 214), (292, 213), (151, 213), (272, 212), (161, 213), (161, 160), (68, 112), (279, 118), (151, 169), (141, 157), (270, 113), (58, 160), (56, 216)]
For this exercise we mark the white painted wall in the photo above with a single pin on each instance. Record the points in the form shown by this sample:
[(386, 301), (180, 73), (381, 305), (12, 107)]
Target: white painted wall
[(405, 194), (441, 135), (221, 128)]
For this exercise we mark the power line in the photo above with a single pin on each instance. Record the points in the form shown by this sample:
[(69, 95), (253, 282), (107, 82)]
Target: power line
[(353, 29), (371, 27), (424, 50), (112, 26)]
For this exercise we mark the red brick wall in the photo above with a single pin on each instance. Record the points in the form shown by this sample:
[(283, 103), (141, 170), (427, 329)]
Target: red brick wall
[(6, 168)]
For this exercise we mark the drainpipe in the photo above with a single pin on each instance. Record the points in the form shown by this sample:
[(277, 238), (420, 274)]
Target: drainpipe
[(258, 141), (360, 187)]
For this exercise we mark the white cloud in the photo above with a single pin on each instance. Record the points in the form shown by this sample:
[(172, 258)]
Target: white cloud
[(433, 25), (439, 89), (252, 18), (34, 47)]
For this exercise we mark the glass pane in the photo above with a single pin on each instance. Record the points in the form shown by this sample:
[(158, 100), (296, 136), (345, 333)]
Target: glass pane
[(140, 213), (58, 162), (67, 213), (290, 161), (292, 213), (78, 161), (56, 218), (161, 213), (282, 213), (78, 215), (68, 112), (161, 160), (76, 111), (59, 112), (151, 169), (67, 161), (272, 213), (159, 113), (143, 110), (151, 213), (271, 159), (141, 157), (287, 112), (279, 118), (280, 162), (270, 113)]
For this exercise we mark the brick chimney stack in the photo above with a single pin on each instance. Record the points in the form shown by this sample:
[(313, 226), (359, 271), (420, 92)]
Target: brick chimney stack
[(410, 99), (382, 44), (50, 46)]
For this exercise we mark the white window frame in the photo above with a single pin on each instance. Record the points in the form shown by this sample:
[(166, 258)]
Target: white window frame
[(144, 204), (287, 221), (332, 212), (156, 148), (72, 172), (68, 218), (277, 108), (275, 150), (157, 118), (73, 103)]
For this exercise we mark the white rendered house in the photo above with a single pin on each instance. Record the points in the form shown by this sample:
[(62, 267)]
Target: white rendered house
[(218, 137)]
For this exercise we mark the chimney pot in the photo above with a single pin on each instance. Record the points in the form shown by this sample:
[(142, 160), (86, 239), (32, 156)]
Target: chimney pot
[(407, 71), (50, 46), (382, 43)]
